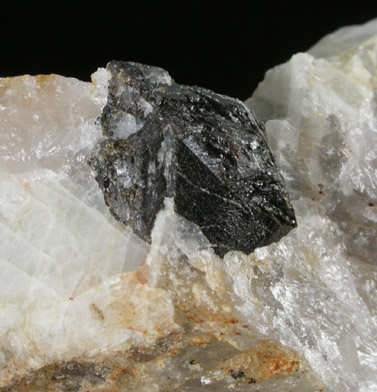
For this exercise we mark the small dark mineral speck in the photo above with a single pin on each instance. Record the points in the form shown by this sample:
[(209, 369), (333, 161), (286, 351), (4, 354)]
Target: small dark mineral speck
[(237, 374)]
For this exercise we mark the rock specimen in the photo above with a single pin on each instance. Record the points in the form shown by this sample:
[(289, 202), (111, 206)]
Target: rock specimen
[(85, 304), (204, 150)]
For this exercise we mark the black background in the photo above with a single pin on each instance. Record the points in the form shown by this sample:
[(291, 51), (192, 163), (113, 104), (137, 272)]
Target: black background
[(226, 47)]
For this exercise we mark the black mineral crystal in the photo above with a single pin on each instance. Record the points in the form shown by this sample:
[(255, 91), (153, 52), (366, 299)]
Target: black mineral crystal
[(204, 150)]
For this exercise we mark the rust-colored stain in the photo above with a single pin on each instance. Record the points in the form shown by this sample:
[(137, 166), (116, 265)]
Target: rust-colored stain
[(137, 367), (121, 371), (45, 78), (264, 361), (141, 275), (199, 341), (97, 312), (200, 316), (38, 78)]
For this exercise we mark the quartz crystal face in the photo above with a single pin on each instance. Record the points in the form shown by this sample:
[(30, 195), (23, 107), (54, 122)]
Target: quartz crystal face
[(205, 151), (324, 137), (87, 305)]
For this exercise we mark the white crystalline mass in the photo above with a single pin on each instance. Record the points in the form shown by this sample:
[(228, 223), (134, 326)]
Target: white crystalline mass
[(317, 287), (57, 239), (322, 128)]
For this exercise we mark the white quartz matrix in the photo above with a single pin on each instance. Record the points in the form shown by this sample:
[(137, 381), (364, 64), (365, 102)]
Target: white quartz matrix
[(321, 112), (70, 275)]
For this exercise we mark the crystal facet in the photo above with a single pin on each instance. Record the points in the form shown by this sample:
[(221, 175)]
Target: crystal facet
[(204, 150)]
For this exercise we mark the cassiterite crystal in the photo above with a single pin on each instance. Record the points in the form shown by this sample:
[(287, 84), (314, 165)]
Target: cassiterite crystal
[(204, 150), (88, 303)]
